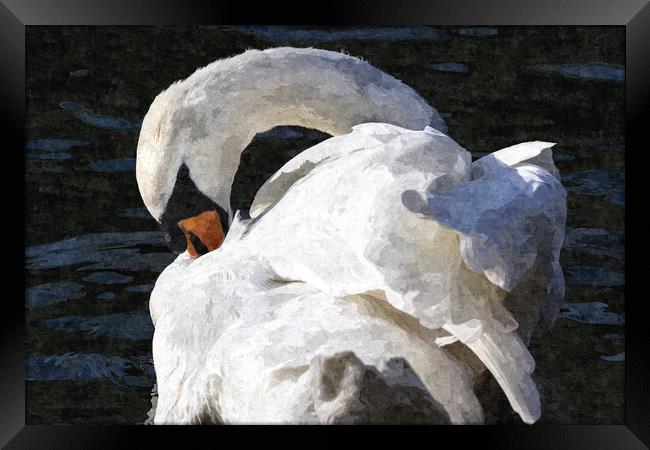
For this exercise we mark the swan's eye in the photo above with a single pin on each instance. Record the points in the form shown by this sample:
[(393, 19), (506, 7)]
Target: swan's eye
[(203, 233)]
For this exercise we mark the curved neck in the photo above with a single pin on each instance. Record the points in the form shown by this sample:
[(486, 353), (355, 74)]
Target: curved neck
[(217, 111)]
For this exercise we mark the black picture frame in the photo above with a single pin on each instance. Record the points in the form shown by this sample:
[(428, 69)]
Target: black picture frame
[(16, 14)]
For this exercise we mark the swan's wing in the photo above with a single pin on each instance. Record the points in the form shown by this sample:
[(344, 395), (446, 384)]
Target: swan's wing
[(538, 153), (510, 219), (364, 136), (511, 364)]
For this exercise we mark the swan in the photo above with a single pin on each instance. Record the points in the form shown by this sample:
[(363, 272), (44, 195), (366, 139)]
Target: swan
[(365, 257)]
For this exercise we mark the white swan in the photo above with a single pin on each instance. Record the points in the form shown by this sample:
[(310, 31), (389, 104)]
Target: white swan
[(361, 255)]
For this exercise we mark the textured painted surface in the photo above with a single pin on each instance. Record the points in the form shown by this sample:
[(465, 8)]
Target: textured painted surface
[(367, 220), (502, 99)]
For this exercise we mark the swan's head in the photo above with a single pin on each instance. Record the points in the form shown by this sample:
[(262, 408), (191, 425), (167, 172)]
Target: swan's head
[(175, 187)]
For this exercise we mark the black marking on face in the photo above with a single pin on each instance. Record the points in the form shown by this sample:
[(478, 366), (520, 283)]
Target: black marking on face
[(186, 201)]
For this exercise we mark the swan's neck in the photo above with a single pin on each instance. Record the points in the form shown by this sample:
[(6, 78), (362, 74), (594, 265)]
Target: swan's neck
[(217, 111)]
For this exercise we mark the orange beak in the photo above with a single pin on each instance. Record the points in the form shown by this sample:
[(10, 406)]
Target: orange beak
[(203, 233)]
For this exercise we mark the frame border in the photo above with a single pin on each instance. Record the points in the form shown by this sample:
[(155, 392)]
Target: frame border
[(16, 14)]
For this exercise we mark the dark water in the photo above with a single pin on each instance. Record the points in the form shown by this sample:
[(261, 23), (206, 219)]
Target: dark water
[(93, 252)]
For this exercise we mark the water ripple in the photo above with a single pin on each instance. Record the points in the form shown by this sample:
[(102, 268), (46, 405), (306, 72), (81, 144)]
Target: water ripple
[(136, 213), (288, 33), (591, 313), (107, 278), (106, 296), (602, 72), (114, 165), (102, 251), (133, 371), (49, 293), (478, 31), (54, 145), (596, 241), (144, 288), (610, 183), (594, 276), (130, 326), (89, 117), (616, 357), (450, 67)]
